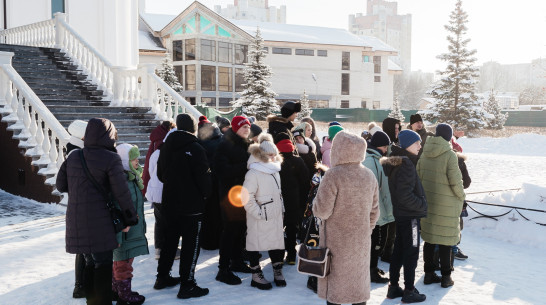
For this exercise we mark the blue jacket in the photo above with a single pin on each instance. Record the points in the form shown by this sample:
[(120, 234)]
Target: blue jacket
[(385, 204)]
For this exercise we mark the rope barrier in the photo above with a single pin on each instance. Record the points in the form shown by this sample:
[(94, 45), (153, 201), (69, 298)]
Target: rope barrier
[(512, 208), (495, 191)]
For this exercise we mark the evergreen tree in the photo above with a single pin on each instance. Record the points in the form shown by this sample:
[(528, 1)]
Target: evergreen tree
[(456, 103), (396, 113), (305, 108), (495, 118), (257, 99), (167, 74)]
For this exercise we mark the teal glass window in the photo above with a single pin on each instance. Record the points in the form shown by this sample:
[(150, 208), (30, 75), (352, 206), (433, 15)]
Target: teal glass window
[(210, 31), (57, 6), (191, 22), (365, 58), (179, 31), (204, 23), (223, 32)]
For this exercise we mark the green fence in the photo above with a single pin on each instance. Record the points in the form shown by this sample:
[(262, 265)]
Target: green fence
[(515, 118), (211, 113)]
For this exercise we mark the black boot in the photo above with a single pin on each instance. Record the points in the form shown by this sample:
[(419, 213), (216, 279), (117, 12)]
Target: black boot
[(394, 292), (102, 285), (191, 290), (226, 276), (79, 290), (375, 276), (447, 281), (413, 296), (166, 281), (432, 277), (312, 283)]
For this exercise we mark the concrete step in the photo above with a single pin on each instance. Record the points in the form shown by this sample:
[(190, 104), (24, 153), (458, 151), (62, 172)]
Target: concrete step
[(111, 116), (121, 123), (133, 137), (93, 109), (97, 103)]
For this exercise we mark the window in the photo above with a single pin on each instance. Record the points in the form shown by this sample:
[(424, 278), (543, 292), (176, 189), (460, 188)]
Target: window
[(208, 49), (345, 61), (306, 52), (377, 64), (224, 102), (241, 52), (377, 79), (225, 81), (190, 77), (209, 101), (208, 78), (266, 50), (190, 50), (224, 52), (365, 58), (322, 53), (376, 104), (363, 104), (57, 6), (177, 50), (345, 83), (344, 104), (239, 80), (178, 73), (285, 51)]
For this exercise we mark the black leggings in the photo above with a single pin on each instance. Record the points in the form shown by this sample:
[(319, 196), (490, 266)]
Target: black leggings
[(445, 258), (276, 256)]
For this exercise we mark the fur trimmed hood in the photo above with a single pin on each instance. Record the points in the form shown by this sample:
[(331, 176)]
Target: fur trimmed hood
[(461, 156), (392, 161), (274, 118), (347, 148)]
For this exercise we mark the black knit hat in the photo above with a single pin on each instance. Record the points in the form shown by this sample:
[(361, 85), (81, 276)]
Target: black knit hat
[(186, 122), (281, 136), (222, 122), (255, 130), (380, 138), (289, 108), (445, 131), (414, 118)]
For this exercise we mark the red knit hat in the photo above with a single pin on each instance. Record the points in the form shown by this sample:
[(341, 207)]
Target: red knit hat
[(202, 120), (286, 146), (238, 122)]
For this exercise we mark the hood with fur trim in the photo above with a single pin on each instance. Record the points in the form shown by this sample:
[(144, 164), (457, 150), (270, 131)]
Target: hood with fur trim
[(347, 148)]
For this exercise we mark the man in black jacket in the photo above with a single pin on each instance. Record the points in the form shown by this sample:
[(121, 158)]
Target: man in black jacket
[(283, 123), (184, 170)]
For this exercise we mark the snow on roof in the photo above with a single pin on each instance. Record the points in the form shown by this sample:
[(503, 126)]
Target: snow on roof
[(392, 66), (147, 42), (157, 21)]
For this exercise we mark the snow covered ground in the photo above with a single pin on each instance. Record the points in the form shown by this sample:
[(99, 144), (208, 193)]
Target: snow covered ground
[(506, 264)]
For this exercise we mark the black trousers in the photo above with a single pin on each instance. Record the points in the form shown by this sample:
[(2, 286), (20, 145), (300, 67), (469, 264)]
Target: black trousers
[(290, 232), (231, 247), (445, 253), (376, 246), (159, 232), (405, 252), (276, 256), (388, 233), (98, 277), (189, 227)]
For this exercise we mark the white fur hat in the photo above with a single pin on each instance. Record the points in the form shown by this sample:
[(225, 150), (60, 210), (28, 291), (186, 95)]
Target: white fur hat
[(77, 129), (267, 145)]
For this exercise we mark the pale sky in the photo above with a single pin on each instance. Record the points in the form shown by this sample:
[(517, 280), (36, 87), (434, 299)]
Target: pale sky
[(505, 31)]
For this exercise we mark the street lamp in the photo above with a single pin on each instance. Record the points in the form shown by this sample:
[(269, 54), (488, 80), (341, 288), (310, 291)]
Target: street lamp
[(316, 88)]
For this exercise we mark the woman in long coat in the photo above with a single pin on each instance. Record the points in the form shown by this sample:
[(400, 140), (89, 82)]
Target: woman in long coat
[(347, 203)]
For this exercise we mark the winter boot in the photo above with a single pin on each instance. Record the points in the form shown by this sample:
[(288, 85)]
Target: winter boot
[(89, 288), (460, 255), (79, 290), (240, 266), (447, 281), (166, 281), (102, 287), (191, 290), (126, 296), (227, 277), (375, 276), (413, 296), (277, 275), (394, 292), (258, 279), (312, 283), (431, 278)]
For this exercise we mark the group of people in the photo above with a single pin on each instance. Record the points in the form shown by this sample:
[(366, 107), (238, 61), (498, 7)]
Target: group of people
[(231, 186)]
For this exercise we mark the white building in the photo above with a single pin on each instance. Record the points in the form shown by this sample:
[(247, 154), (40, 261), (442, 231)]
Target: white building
[(258, 10), (382, 21), (507, 100), (336, 68)]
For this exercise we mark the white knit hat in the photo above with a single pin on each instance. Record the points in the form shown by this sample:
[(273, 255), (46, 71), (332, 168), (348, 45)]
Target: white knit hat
[(77, 129), (375, 129), (267, 145)]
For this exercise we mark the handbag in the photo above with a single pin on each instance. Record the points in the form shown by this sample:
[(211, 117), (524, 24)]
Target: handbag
[(314, 261), (115, 213)]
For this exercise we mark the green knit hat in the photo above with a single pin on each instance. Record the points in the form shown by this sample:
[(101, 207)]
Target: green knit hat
[(134, 153), (136, 173), (333, 130)]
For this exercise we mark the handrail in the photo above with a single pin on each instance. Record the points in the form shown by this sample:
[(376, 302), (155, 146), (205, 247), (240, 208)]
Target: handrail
[(39, 34), (187, 107)]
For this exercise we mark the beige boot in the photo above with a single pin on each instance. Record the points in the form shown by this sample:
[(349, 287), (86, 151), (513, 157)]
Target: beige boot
[(277, 274), (258, 279)]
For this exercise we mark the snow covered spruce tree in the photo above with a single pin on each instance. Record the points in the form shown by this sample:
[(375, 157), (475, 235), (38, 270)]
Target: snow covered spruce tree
[(257, 99), (167, 74), (495, 118), (456, 103), (305, 108), (396, 113)]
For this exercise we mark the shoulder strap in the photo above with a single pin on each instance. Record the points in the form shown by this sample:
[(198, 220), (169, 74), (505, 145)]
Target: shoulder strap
[(95, 183)]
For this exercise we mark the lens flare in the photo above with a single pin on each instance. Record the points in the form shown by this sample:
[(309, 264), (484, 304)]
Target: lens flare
[(238, 196)]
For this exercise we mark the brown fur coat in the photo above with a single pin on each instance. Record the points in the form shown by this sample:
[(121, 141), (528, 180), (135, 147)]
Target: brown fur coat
[(347, 202)]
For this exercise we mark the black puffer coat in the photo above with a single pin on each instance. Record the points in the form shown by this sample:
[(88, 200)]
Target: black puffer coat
[(230, 167), (295, 184), (89, 228), (407, 193), (184, 170)]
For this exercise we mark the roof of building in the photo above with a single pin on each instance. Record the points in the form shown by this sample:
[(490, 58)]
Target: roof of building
[(147, 42), (286, 32), (393, 66)]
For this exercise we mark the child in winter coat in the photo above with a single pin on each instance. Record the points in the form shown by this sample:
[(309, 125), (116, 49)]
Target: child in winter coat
[(327, 144), (307, 150), (263, 203), (132, 243)]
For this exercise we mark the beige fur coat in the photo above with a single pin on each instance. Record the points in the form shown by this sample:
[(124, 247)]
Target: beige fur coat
[(347, 202)]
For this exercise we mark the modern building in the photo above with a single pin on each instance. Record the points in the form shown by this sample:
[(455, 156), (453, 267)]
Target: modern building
[(382, 21), (258, 10), (513, 77), (336, 68)]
